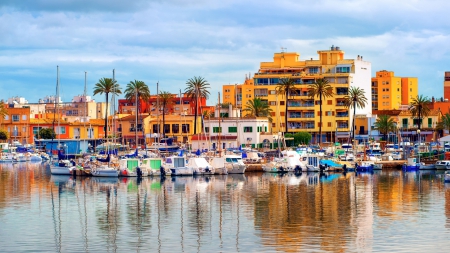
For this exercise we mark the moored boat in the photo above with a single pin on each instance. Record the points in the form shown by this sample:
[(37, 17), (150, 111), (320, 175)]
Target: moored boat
[(442, 165)]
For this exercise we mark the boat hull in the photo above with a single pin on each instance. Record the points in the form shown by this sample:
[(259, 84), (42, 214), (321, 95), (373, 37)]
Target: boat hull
[(56, 170), (182, 171)]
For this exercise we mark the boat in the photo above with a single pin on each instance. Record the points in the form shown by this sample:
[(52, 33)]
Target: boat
[(364, 167), (290, 162), (130, 167), (411, 165), (233, 164), (200, 166), (177, 165), (165, 144), (442, 165), (154, 166), (423, 166), (104, 170), (447, 177), (62, 167), (6, 158)]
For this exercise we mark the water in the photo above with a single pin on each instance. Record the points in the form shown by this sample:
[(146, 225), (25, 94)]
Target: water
[(388, 211)]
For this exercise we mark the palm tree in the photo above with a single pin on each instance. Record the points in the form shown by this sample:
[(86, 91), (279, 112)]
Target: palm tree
[(165, 100), (355, 98), (257, 108), (197, 87), (444, 123), (3, 110), (420, 107), (321, 89), (137, 91), (385, 124), (107, 85), (285, 87)]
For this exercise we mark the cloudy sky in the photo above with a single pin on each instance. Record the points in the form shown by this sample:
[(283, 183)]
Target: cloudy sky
[(171, 41)]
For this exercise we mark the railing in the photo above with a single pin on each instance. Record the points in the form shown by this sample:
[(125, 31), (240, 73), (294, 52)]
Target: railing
[(341, 115), (342, 126), (132, 129)]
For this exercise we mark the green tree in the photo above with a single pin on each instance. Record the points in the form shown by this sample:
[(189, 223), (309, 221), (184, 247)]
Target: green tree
[(165, 100), (197, 88), (136, 91), (3, 135), (321, 89), (300, 138), (47, 133), (107, 85), (420, 107), (385, 124), (257, 108), (285, 88), (444, 124), (356, 98), (3, 110)]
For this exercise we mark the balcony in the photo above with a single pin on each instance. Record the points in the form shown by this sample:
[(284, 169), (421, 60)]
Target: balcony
[(341, 115), (119, 129), (341, 126), (132, 129)]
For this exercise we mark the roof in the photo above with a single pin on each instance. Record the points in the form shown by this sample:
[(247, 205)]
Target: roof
[(203, 137)]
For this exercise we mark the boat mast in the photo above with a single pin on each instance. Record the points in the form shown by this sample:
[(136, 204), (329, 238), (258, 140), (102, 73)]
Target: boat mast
[(157, 118), (135, 128), (85, 100), (219, 148), (57, 103)]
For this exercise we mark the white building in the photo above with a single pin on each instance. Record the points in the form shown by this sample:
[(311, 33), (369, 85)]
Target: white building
[(17, 100), (246, 131)]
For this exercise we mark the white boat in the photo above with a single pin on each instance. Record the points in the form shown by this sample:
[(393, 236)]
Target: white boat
[(62, 167), (177, 165), (165, 144), (20, 157), (423, 166), (232, 164), (291, 161), (200, 166), (443, 165), (129, 167), (6, 157), (104, 170), (154, 166), (447, 177)]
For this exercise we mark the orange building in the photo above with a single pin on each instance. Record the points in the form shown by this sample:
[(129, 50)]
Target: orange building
[(16, 123)]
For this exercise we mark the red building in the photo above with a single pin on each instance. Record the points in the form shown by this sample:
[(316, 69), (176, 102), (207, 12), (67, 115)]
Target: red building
[(177, 106)]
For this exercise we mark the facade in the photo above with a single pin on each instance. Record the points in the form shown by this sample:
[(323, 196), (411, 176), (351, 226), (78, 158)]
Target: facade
[(246, 130), (447, 85), (177, 106), (390, 92), (303, 111), (16, 123)]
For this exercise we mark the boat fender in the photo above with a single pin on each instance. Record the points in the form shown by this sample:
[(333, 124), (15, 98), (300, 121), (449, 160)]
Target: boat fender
[(297, 168), (163, 172), (139, 172), (281, 168)]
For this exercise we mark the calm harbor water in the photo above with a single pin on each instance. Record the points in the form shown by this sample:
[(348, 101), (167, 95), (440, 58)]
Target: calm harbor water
[(389, 211)]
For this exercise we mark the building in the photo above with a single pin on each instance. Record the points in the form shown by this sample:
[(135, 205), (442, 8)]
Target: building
[(389, 92), (176, 106), (447, 85), (303, 111), (16, 123)]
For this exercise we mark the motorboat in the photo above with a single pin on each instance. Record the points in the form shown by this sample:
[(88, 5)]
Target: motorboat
[(200, 166), (165, 144), (6, 157), (291, 161), (104, 170), (411, 165), (177, 165), (233, 164), (442, 165), (130, 167), (62, 167), (447, 177), (154, 166), (364, 167)]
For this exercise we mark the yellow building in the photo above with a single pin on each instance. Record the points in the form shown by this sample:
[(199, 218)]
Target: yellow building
[(389, 92), (303, 111)]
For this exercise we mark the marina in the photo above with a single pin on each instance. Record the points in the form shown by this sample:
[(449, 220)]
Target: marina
[(351, 212)]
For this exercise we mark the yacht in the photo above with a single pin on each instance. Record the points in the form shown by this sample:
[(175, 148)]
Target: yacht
[(177, 165), (232, 164), (443, 165), (200, 166), (129, 167)]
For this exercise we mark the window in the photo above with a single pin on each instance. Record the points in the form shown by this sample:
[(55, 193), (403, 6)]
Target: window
[(281, 113), (430, 122), (258, 129), (272, 92), (265, 129), (166, 128), (410, 89), (281, 102), (15, 118), (206, 129), (342, 69), (232, 129), (248, 129), (329, 124), (24, 117), (272, 114), (272, 103), (155, 128), (317, 102), (217, 129), (36, 130), (273, 125), (61, 130), (185, 128), (330, 102), (314, 70), (6, 117)]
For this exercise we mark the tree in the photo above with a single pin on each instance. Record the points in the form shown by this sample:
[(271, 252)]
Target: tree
[(107, 85), (385, 124), (137, 91), (46, 133), (300, 138), (165, 100), (420, 107), (444, 124), (3, 110), (257, 108), (321, 89), (197, 87), (285, 87), (3, 135), (355, 98)]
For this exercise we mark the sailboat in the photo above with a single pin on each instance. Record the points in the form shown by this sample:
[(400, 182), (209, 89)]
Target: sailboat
[(62, 166)]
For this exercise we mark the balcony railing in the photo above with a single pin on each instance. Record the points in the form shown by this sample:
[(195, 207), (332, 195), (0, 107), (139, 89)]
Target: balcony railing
[(132, 129), (342, 126), (342, 115)]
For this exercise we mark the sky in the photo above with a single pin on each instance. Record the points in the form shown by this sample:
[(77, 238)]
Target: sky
[(172, 41)]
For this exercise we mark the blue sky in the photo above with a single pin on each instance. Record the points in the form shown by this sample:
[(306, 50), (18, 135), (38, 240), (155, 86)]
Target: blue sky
[(171, 41)]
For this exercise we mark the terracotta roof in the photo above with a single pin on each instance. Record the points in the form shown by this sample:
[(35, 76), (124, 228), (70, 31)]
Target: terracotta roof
[(386, 112), (432, 113)]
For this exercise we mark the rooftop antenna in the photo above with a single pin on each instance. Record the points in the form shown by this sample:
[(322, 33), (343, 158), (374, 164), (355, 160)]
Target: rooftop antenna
[(283, 49)]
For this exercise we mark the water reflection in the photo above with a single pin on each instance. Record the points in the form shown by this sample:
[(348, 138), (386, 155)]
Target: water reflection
[(233, 213)]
